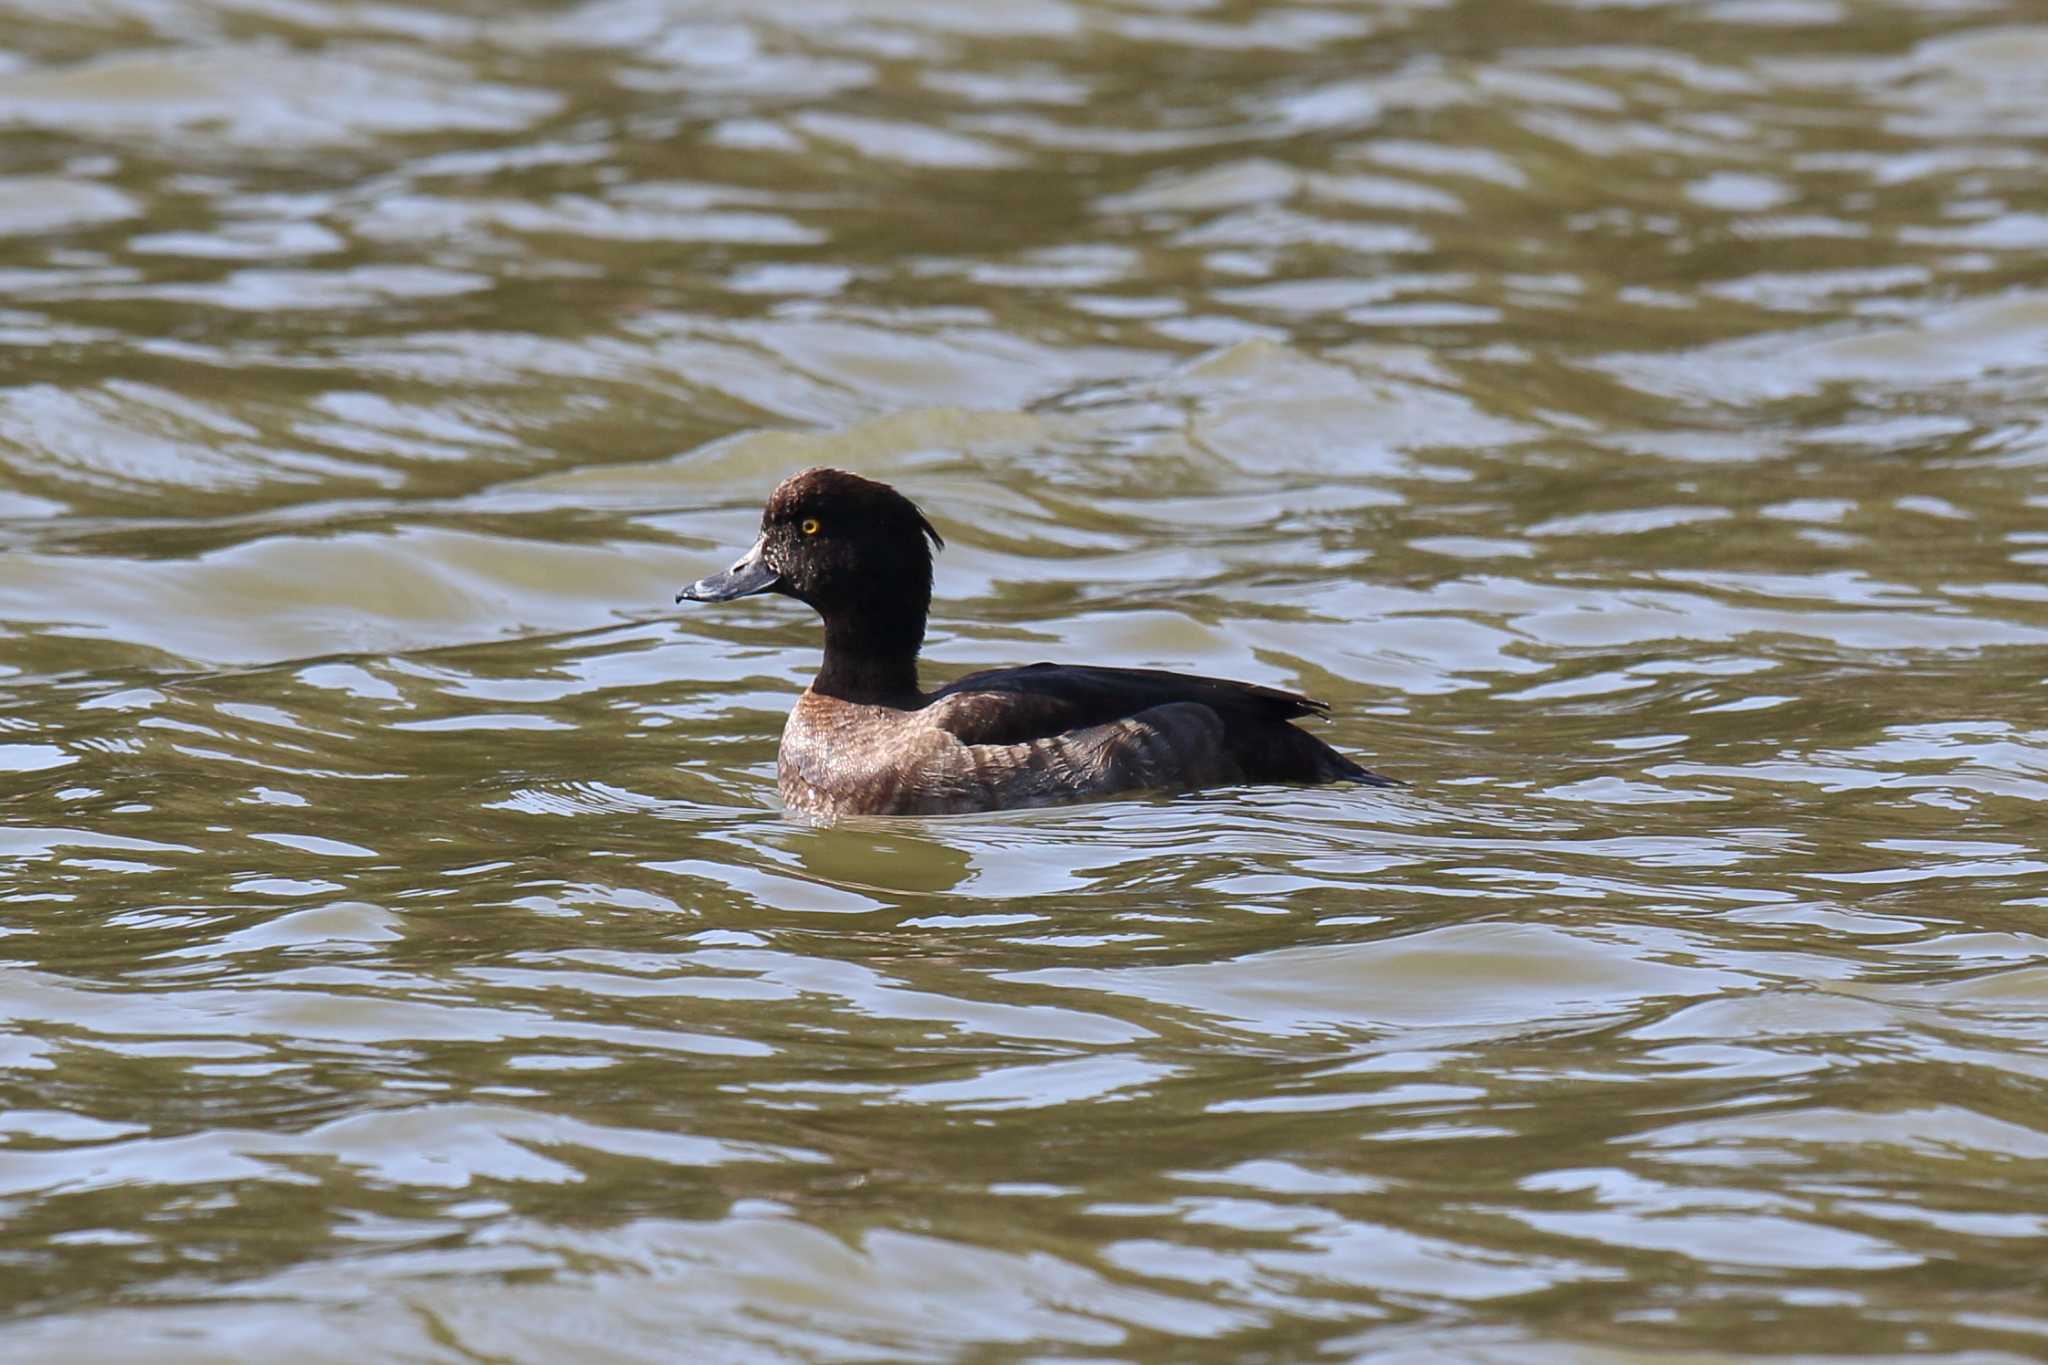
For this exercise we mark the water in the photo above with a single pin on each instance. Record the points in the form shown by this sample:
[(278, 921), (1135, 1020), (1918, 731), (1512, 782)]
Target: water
[(1628, 417)]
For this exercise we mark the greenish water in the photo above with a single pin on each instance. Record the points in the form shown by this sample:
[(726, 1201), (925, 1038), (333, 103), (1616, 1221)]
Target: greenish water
[(1629, 417)]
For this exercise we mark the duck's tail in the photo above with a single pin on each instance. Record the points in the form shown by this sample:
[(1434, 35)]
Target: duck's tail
[(1281, 753)]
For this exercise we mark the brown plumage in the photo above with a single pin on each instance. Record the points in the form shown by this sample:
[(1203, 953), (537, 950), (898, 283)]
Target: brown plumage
[(864, 739)]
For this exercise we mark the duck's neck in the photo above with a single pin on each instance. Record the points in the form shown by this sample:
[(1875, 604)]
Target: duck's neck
[(870, 662)]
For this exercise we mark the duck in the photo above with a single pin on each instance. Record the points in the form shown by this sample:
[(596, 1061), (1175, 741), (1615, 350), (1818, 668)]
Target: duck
[(866, 739)]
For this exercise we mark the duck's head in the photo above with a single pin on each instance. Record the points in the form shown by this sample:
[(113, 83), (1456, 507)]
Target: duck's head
[(847, 546)]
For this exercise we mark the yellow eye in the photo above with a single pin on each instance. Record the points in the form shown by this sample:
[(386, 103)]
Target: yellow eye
[(810, 526)]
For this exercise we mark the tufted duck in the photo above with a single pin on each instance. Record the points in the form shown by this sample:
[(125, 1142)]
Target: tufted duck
[(865, 740)]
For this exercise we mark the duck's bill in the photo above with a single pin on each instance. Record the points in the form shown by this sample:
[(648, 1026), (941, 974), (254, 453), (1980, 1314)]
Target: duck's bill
[(750, 575)]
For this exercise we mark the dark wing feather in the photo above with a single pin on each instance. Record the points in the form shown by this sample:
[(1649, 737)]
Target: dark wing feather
[(1013, 705)]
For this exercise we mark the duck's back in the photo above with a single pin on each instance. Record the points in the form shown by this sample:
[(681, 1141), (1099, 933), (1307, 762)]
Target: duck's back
[(1049, 733)]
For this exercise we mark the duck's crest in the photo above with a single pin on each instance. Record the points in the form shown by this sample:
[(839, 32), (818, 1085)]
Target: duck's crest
[(823, 486)]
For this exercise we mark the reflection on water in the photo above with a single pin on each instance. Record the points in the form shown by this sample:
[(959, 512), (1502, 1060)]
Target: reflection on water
[(1629, 417)]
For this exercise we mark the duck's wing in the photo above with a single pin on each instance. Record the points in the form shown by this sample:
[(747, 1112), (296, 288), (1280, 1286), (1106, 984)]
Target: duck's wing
[(1040, 701)]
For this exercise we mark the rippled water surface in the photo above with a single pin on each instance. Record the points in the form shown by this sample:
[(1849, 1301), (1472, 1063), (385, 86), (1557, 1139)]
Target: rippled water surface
[(1631, 417)]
